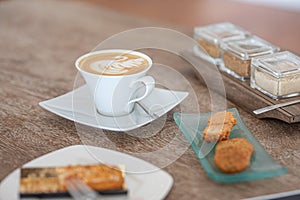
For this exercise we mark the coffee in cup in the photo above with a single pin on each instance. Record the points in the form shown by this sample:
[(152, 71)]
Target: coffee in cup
[(116, 78), (113, 64)]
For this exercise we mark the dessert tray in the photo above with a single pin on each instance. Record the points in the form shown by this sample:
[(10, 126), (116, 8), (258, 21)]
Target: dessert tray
[(261, 164)]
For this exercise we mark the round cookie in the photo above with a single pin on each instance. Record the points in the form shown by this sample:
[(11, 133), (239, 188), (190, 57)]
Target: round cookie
[(232, 156)]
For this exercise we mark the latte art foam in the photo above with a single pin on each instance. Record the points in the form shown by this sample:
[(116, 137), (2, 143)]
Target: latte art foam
[(121, 64), (113, 64)]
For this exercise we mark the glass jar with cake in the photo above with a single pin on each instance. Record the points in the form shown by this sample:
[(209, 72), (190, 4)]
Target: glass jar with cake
[(210, 38), (237, 55), (277, 75)]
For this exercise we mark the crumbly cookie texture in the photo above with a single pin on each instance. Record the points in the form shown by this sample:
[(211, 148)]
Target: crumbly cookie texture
[(219, 127), (233, 155), (222, 117)]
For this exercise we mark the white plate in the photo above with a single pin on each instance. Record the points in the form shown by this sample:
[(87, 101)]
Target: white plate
[(144, 180), (78, 106)]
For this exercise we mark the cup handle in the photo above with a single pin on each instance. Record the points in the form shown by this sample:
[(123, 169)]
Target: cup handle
[(149, 83)]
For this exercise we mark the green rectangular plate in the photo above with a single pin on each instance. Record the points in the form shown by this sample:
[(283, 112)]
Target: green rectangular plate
[(262, 165)]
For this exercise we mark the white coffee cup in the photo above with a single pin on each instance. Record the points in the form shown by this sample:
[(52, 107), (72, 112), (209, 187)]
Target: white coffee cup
[(118, 87)]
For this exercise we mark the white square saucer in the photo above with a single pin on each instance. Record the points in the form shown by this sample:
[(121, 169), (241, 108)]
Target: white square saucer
[(78, 106)]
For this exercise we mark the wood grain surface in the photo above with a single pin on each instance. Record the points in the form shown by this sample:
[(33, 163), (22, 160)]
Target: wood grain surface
[(39, 42)]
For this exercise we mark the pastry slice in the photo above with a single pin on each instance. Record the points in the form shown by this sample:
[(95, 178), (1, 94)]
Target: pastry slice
[(50, 182), (217, 132), (219, 127)]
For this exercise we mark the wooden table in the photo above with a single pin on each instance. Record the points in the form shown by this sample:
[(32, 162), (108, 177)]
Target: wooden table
[(40, 41)]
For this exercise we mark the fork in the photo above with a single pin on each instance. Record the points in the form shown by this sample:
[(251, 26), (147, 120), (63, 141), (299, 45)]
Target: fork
[(79, 190)]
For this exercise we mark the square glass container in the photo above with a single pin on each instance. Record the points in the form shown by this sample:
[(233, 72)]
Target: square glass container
[(237, 55), (277, 75), (210, 38)]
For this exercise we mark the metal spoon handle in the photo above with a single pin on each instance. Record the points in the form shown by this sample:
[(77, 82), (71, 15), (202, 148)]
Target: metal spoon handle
[(151, 114), (268, 108)]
